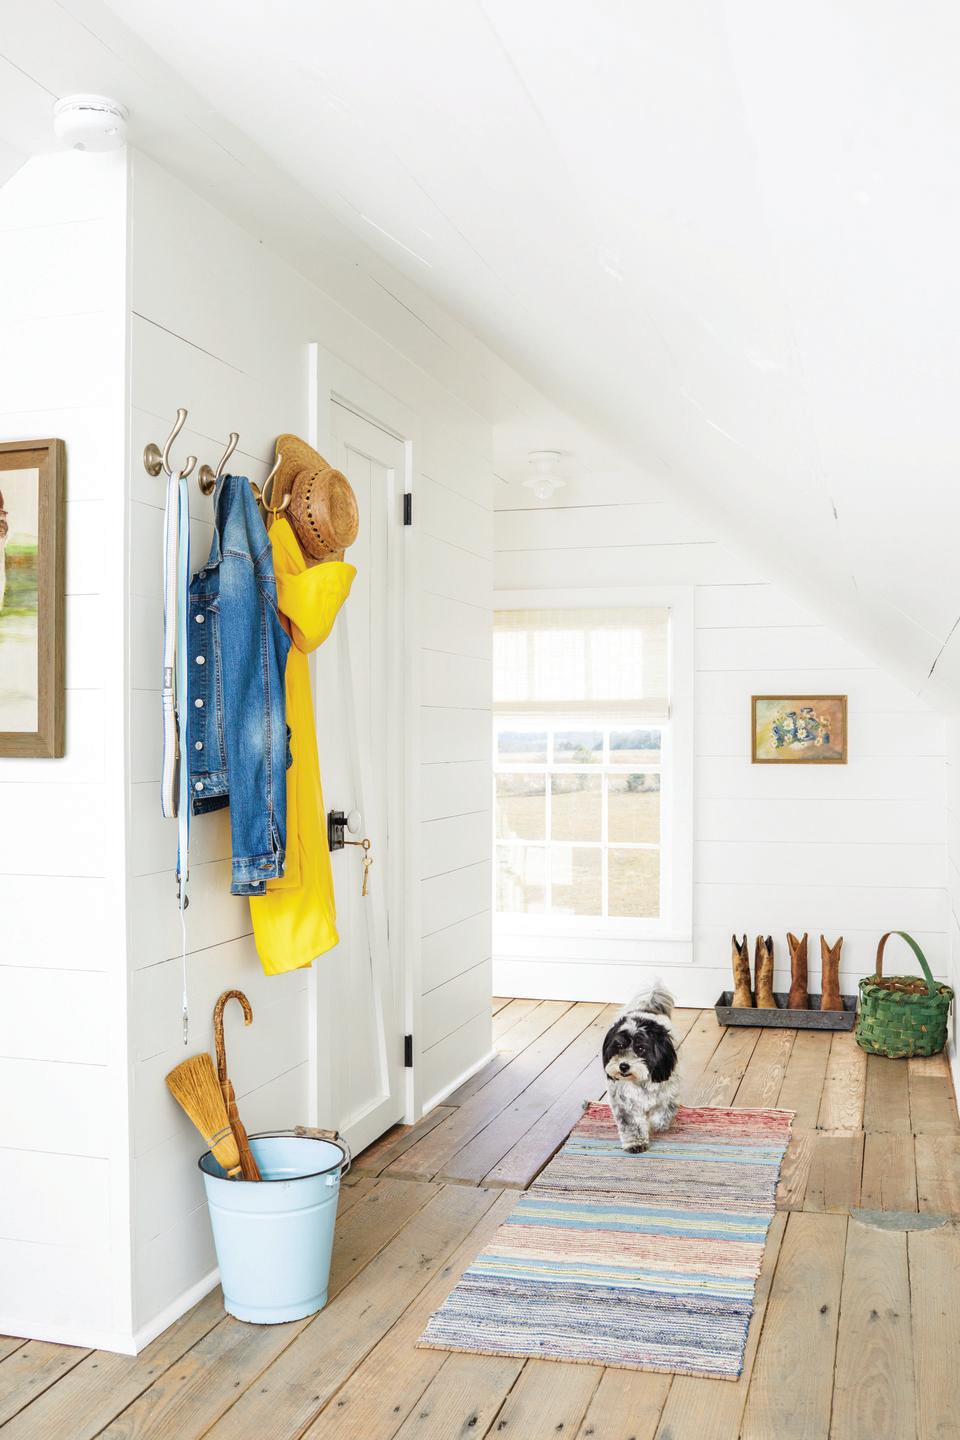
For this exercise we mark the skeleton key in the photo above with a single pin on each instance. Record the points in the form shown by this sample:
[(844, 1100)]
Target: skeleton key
[(364, 845)]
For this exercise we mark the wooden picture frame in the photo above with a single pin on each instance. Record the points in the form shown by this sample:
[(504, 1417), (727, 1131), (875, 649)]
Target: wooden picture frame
[(32, 588), (817, 717)]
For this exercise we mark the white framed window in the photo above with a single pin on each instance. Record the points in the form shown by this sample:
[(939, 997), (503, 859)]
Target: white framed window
[(592, 758)]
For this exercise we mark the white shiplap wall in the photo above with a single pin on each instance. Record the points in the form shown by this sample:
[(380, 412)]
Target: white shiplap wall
[(851, 850), (64, 1156), (222, 327)]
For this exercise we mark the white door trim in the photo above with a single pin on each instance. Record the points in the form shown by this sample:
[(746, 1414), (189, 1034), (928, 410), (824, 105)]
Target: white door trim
[(332, 380)]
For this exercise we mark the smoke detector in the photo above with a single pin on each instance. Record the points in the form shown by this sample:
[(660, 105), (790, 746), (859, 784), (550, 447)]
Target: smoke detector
[(90, 122), (545, 478)]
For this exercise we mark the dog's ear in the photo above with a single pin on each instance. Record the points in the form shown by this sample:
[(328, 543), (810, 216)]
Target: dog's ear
[(608, 1046), (660, 1055)]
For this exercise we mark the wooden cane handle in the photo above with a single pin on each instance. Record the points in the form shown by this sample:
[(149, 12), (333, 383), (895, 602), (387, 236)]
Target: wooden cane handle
[(218, 1027)]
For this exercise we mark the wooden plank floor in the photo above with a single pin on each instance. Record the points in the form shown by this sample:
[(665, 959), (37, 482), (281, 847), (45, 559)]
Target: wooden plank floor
[(870, 1311)]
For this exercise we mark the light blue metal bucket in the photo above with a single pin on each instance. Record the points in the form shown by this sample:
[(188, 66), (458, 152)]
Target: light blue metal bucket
[(274, 1236)]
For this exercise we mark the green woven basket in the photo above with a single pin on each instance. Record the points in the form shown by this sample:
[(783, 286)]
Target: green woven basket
[(898, 1021)]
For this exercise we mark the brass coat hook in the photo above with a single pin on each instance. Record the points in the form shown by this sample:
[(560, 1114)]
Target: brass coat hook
[(266, 490), (155, 459), (207, 477)]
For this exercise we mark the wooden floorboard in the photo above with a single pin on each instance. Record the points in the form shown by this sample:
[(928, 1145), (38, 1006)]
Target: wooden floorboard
[(720, 1078), (626, 1403), (31, 1370), (790, 1393), (511, 1014), (83, 1403), (544, 1014), (398, 1141), (933, 1107), (874, 1388), (854, 1331), (934, 1261), (836, 1165), (485, 1149), (763, 1078), (938, 1173), (844, 1085), (889, 1180), (384, 1387), (803, 1083), (428, 1157), (463, 1398), (887, 1099), (547, 1401)]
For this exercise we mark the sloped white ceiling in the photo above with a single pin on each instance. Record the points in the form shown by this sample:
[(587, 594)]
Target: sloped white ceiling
[(726, 235)]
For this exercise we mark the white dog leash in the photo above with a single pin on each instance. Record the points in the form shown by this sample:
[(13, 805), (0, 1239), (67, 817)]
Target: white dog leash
[(174, 772), (168, 692)]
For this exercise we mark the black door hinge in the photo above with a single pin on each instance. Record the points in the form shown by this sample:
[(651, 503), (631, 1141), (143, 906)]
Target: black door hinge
[(408, 1052), (407, 508)]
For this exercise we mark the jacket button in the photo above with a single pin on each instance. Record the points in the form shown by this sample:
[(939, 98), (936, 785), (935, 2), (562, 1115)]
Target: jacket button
[(198, 745), (199, 785), (200, 660), (199, 704), (199, 619)]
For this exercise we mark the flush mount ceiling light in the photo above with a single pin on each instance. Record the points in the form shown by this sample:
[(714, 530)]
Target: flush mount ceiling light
[(545, 465)]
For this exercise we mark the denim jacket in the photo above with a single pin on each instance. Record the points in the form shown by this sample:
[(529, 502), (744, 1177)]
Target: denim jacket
[(238, 742)]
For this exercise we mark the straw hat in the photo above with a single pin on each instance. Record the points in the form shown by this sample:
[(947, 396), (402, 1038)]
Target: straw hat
[(323, 508)]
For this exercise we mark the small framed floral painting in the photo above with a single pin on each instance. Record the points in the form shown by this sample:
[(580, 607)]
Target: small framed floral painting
[(799, 729)]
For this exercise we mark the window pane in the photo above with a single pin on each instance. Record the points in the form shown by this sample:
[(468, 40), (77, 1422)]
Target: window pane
[(635, 747), (578, 747), (633, 883), (633, 808), (521, 807), (576, 807), (521, 879), (522, 747), (575, 877)]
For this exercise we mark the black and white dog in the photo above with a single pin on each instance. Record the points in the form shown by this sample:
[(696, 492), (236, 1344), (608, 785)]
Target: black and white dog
[(640, 1062)]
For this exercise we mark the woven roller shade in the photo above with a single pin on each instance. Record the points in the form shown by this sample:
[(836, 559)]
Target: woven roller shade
[(606, 664)]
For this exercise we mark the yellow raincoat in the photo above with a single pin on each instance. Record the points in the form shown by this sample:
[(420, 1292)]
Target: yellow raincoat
[(296, 920)]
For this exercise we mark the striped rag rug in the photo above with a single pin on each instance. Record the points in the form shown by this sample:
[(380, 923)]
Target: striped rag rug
[(646, 1261)]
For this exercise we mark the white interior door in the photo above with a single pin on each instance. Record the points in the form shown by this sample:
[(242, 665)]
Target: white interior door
[(359, 707)]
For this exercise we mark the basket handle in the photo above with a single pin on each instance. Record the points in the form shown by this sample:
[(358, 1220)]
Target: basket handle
[(927, 972)]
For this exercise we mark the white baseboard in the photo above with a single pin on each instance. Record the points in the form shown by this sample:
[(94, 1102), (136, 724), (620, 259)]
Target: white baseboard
[(175, 1309), (117, 1342), (607, 981), (461, 1079)]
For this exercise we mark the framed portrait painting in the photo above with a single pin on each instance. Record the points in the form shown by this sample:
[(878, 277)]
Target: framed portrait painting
[(799, 730), (32, 564)]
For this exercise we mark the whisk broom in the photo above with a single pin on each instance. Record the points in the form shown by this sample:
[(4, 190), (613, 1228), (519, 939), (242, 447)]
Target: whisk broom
[(193, 1084)]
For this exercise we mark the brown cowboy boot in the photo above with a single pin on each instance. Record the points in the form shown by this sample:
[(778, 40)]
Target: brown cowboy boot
[(799, 998), (763, 973), (742, 997), (830, 998)]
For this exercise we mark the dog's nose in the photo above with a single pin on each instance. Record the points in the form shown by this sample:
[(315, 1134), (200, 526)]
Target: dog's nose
[(624, 1068)]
